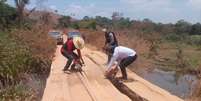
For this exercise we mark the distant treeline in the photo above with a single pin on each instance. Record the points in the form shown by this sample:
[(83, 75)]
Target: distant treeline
[(120, 23), (8, 16)]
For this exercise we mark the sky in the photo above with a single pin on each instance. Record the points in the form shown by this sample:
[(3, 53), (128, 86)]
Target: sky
[(164, 11)]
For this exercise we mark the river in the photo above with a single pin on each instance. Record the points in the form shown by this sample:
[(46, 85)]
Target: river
[(179, 85)]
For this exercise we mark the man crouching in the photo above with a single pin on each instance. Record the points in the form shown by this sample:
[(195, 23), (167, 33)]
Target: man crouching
[(122, 57)]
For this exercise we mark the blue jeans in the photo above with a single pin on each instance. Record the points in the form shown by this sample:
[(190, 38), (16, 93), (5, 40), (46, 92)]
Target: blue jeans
[(124, 63)]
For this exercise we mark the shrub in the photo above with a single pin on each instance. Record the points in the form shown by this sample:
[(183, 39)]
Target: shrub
[(88, 24), (173, 37), (195, 40), (16, 93), (180, 61), (23, 52), (7, 15), (75, 25), (15, 59), (41, 46)]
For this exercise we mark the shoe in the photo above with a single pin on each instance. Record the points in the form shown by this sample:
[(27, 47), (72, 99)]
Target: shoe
[(65, 69), (122, 78)]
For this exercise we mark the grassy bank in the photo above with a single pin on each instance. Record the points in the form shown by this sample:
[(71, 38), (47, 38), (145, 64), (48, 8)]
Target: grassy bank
[(24, 64), (178, 57)]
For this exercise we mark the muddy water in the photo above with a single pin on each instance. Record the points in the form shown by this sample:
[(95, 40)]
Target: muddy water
[(181, 86)]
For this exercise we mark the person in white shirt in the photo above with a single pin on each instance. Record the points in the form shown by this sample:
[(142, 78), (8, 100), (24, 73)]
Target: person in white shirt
[(122, 57)]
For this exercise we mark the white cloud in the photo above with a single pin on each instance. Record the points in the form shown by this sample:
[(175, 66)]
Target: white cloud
[(195, 4), (135, 1), (153, 9), (148, 5), (53, 7), (80, 10)]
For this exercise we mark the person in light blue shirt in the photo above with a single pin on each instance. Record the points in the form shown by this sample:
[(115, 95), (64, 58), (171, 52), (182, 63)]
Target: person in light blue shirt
[(122, 57)]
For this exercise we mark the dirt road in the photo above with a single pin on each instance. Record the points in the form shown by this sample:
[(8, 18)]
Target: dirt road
[(91, 85)]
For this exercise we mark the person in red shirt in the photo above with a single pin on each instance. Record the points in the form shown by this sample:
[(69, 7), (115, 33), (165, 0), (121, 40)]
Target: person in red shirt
[(76, 43)]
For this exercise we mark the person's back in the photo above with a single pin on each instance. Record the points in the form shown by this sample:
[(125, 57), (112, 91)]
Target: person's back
[(123, 56), (68, 46), (121, 52)]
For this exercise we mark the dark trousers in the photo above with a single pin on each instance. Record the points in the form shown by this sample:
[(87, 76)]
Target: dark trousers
[(70, 57), (124, 63)]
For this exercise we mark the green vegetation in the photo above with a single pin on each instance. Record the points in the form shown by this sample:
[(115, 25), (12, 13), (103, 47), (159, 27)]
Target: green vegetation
[(12, 63), (170, 46), (17, 92), (7, 16), (64, 21), (15, 61), (19, 59), (25, 50)]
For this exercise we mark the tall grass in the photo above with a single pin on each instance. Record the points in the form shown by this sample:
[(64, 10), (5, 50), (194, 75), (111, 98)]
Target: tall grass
[(17, 93), (40, 45), (15, 60), (23, 52)]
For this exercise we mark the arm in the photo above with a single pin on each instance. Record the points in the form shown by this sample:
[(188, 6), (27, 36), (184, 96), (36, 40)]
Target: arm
[(112, 71), (113, 60), (80, 55)]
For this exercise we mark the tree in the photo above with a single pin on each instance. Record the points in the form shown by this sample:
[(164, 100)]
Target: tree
[(103, 21), (86, 18), (92, 25), (2, 1), (7, 15), (196, 29), (182, 27), (20, 5), (146, 20), (122, 23), (64, 21), (75, 25), (88, 24)]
